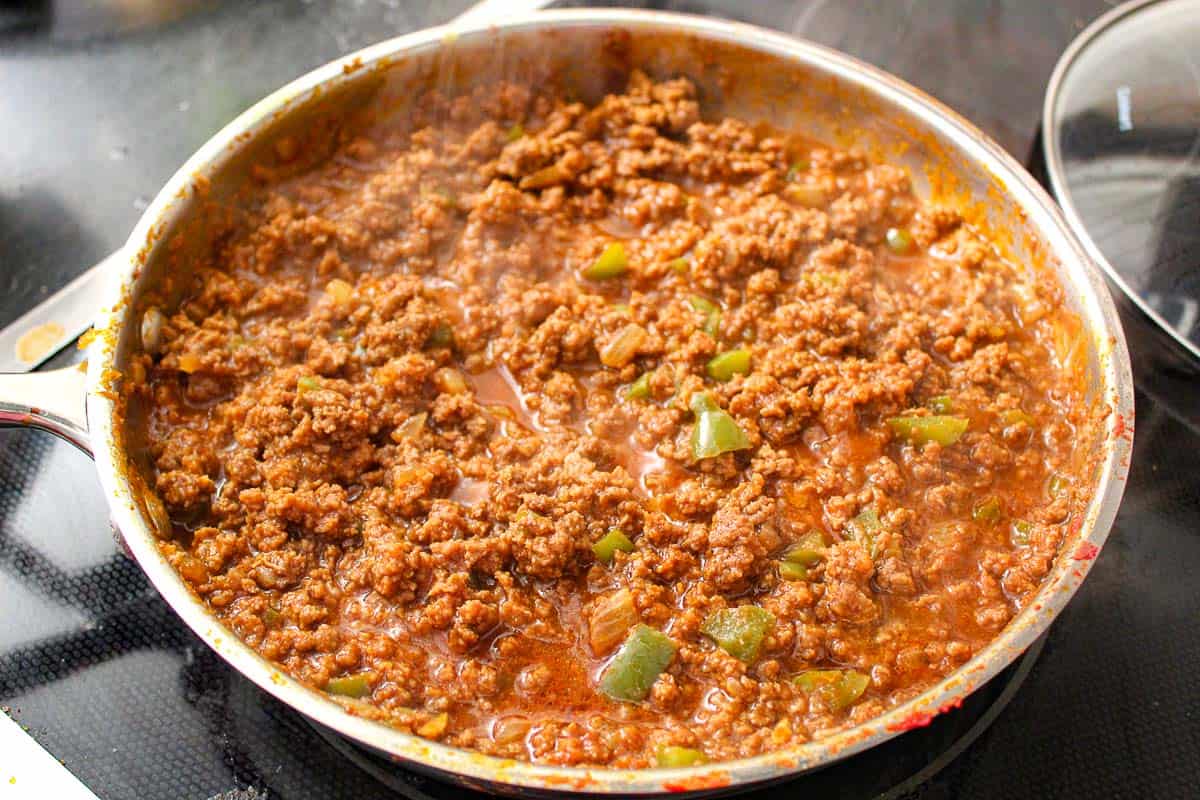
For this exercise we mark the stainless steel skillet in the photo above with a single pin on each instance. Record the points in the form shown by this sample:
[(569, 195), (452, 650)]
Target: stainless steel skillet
[(741, 70)]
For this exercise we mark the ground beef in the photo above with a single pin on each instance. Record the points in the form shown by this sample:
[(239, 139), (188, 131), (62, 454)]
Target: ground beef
[(389, 426)]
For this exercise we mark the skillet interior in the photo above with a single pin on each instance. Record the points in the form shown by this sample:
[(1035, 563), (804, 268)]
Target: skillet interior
[(760, 77)]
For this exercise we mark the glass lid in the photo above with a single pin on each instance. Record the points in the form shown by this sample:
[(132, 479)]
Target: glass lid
[(1122, 139)]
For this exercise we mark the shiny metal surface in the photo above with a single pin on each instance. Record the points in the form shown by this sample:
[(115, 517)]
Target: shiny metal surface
[(1121, 134), (977, 161), (64, 316), (50, 401)]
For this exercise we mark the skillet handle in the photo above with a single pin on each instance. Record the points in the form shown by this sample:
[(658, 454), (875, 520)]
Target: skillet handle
[(53, 401)]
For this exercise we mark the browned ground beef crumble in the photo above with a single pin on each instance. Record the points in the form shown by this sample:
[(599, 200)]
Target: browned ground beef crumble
[(382, 428)]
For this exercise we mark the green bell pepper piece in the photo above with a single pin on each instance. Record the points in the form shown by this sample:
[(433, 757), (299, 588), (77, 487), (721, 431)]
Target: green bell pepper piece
[(808, 551), (864, 528), (739, 631), (637, 665), (724, 366), (940, 428), (612, 263), (711, 312), (715, 431), (639, 389), (608, 544), (791, 571), (670, 755), (349, 686), (839, 688)]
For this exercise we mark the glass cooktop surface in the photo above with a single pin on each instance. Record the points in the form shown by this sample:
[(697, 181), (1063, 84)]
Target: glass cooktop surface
[(101, 100)]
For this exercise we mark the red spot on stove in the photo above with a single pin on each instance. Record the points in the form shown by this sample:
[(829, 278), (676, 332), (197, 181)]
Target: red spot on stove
[(1085, 552), (917, 719)]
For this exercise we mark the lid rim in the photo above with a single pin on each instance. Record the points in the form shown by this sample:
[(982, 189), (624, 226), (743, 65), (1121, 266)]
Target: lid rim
[(1057, 175)]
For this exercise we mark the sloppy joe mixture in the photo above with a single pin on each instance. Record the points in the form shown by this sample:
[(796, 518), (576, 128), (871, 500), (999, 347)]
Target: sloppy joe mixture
[(616, 435)]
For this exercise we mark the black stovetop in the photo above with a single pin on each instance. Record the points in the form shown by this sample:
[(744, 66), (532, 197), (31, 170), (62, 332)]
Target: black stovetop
[(100, 100)]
